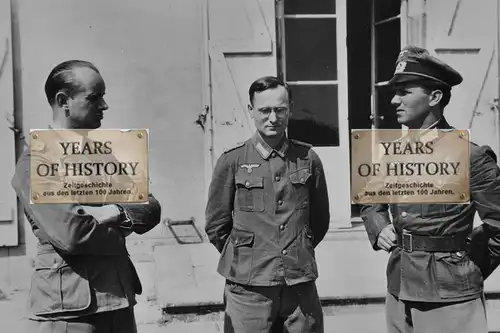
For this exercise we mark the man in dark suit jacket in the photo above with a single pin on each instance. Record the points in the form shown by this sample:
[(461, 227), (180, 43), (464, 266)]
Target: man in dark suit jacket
[(83, 279)]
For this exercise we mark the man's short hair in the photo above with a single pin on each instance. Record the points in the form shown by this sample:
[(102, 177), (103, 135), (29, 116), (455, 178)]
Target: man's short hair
[(430, 85), (62, 78), (265, 83)]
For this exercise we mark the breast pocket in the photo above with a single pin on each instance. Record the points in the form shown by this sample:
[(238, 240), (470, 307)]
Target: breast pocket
[(299, 180), (250, 194)]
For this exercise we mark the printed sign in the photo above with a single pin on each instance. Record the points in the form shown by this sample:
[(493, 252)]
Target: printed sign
[(410, 166), (89, 167)]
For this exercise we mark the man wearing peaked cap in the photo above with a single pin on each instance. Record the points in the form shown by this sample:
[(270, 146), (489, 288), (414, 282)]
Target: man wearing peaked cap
[(436, 268)]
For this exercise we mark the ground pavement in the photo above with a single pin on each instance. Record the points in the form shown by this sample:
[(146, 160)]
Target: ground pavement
[(358, 318), (182, 291)]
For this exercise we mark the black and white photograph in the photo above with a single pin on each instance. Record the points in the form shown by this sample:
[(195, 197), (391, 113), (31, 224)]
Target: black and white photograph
[(190, 166)]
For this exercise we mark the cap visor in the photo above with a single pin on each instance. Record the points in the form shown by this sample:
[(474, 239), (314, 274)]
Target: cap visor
[(401, 78)]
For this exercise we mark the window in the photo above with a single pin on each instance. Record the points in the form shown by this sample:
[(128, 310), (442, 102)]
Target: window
[(307, 61), (386, 45), (310, 46)]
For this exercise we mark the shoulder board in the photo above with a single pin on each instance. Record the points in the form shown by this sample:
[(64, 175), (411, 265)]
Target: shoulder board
[(300, 143), (237, 145)]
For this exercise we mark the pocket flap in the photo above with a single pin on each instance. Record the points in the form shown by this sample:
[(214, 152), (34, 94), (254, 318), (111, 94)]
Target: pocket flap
[(300, 176), (250, 182), (450, 256), (242, 238), (58, 288)]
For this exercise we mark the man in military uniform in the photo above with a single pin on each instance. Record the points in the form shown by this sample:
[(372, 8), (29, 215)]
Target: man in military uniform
[(83, 279), (267, 210), (434, 285)]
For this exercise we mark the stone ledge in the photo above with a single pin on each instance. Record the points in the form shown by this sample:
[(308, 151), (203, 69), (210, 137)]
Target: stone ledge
[(350, 271)]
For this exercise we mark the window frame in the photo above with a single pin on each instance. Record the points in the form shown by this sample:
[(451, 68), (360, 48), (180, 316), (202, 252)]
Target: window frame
[(403, 22), (281, 18)]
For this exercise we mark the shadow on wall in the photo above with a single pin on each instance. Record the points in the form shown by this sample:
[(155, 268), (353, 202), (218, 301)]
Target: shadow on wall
[(4, 57), (310, 130)]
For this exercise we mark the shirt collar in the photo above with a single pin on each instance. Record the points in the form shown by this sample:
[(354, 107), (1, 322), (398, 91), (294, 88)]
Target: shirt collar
[(426, 134), (434, 124), (431, 132), (265, 150)]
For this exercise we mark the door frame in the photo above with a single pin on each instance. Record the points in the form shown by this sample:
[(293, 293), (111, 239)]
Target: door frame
[(345, 218), (207, 97)]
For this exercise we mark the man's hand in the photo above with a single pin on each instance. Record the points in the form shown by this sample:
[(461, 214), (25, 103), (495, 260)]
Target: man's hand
[(387, 238), (106, 215)]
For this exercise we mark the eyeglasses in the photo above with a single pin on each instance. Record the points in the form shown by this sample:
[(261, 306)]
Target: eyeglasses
[(279, 111)]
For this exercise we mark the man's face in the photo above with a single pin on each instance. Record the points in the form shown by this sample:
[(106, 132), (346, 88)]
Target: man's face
[(271, 111), (413, 104), (87, 106)]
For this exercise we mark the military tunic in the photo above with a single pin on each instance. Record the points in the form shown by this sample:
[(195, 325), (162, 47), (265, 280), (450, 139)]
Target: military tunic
[(441, 276), (267, 210), (81, 267)]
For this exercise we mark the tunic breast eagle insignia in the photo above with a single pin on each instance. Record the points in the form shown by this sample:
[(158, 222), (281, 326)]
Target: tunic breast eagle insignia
[(249, 167)]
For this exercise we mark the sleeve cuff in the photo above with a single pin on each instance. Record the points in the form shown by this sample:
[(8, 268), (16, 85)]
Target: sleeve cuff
[(126, 221)]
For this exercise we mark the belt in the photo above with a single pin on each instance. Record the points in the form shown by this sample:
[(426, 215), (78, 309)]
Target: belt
[(410, 242)]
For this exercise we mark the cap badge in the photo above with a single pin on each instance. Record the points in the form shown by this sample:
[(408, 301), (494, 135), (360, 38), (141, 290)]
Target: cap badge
[(402, 52), (400, 67)]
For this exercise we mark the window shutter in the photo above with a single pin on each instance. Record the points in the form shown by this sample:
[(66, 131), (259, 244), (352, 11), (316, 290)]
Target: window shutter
[(8, 211), (240, 49), (469, 47)]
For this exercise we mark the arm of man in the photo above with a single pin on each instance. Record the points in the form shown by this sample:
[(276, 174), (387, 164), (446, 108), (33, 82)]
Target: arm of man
[(319, 202), (68, 226), (220, 204), (143, 217), (378, 226), (138, 218), (485, 194)]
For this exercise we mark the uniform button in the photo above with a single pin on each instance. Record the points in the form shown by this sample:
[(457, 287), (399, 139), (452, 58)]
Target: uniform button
[(247, 183), (273, 154), (282, 227), (280, 202), (277, 178), (236, 242), (404, 214), (284, 252), (302, 179)]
